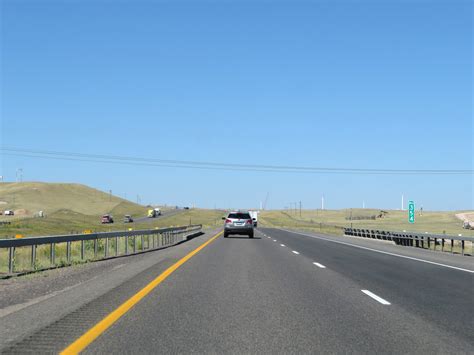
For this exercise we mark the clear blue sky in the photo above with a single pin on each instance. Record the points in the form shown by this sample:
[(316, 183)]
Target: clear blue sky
[(356, 84)]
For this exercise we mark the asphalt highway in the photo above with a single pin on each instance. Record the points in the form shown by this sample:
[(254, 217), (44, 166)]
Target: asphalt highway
[(281, 292), (164, 214)]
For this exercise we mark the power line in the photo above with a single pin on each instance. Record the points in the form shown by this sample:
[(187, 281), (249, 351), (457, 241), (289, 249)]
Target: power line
[(167, 163)]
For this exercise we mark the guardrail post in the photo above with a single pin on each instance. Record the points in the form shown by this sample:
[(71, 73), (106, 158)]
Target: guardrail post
[(52, 256), (106, 252), (153, 241), (452, 246), (116, 245), (429, 243), (96, 247), (143, 242), (33, 257), (11, 259), (134, 244), (442, 244), (68, 252), (462, 247), (83, 249)]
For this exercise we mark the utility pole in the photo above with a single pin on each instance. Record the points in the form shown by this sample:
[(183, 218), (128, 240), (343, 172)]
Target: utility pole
[(19, 175)]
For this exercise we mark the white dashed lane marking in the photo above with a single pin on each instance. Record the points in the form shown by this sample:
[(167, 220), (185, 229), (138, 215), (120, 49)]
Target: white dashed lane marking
[(375, 297), (320, 265), (295, 252)]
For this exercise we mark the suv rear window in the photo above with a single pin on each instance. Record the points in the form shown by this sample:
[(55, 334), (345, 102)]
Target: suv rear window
[(239, 215)]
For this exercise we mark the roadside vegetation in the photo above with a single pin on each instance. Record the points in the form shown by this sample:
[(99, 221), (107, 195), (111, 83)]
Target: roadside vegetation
[(332, 221), (68, 222), (74, 208)]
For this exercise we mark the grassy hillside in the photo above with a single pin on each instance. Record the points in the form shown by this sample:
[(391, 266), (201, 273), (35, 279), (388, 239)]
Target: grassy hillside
[(431, 222), (73, 208), (68, 208), (50, 198)]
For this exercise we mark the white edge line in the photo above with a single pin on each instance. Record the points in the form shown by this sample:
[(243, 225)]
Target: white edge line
[(383, 252), (377, 298), (320, 265), (282, 245), (295, 252), (274, 240)]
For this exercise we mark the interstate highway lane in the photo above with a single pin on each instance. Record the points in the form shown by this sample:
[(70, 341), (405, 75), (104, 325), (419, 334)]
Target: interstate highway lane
[(283, 292)]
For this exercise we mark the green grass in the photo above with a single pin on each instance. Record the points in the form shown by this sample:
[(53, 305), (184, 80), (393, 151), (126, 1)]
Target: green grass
[(67, 222), (208, 218), (22, 260), (431, 222)]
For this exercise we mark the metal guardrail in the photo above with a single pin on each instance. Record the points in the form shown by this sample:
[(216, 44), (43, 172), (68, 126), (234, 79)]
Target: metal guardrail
[(419, 240), (149, 239)]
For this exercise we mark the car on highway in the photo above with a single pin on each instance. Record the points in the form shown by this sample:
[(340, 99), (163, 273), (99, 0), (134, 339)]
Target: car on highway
[(9, 213), (127, 219), (238, 222), (106, 218)]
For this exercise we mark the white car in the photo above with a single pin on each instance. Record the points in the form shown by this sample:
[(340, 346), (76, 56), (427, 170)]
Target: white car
[(9, 213)]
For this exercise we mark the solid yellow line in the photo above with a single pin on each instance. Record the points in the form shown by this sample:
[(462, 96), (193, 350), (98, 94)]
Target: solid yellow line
[(87, 338)]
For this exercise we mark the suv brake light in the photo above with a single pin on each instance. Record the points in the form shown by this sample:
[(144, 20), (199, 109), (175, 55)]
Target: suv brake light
[(227, 221), (249, 221)]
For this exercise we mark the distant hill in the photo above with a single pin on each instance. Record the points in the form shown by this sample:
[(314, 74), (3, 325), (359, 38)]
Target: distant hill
[(27, 198)]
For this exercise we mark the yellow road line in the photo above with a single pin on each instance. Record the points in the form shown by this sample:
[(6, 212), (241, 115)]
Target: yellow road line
[(93, 333)]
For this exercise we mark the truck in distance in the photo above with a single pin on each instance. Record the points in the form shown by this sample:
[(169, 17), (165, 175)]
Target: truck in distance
[(153, 213), (254, 215)]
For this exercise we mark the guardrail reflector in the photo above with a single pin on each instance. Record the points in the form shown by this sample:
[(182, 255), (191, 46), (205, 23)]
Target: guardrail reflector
[(19, 236)]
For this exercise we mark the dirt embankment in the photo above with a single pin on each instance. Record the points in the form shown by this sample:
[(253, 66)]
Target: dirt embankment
[(466, 217)]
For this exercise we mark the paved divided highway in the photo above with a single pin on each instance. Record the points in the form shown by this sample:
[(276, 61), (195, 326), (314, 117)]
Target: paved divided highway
[(164, 214), (282, 292)]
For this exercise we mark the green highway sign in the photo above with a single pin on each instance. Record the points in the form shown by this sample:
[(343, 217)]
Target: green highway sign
[(411, 211)]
